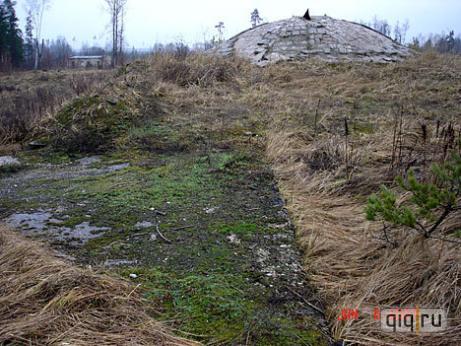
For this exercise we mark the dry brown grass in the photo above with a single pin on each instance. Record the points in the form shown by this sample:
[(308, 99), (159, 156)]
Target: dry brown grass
[(347, 257), (45, 301), (27, 97), (301, 108), (195, 69)]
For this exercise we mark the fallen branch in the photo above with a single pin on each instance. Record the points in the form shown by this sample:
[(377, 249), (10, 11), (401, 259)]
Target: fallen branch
[(320, 311), (161, 235)]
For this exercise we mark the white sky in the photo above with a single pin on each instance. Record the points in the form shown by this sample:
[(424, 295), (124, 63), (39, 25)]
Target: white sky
[(151, 21)]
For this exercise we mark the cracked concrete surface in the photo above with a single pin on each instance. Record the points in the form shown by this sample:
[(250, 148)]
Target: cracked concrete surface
[(322, 37)]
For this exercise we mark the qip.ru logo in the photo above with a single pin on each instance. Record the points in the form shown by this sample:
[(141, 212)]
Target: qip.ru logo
[(414, 320), (402, 320)]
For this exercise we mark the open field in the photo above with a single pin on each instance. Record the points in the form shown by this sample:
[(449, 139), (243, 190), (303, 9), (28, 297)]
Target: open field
[(178, 174)]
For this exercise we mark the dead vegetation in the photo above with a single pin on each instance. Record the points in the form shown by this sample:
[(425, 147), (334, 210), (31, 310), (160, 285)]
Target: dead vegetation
[(28, 97), (45, 301), (196, 69), (401, 117), (334, 134), (101, 120)]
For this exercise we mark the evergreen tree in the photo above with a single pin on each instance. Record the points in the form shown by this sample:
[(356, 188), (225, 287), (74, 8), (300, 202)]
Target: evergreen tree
[(14, 40), (3, 36), (451, 41), (255, 18)]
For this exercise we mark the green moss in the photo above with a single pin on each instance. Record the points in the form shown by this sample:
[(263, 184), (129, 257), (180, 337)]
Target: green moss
[(239, 228), (76, 219), (221, 308)]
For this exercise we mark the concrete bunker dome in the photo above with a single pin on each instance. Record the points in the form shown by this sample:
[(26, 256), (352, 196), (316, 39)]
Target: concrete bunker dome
[(322, 37)]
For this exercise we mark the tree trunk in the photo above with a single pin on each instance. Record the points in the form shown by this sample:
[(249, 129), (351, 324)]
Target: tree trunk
[(36, 55), (114, 35), (121, 33)]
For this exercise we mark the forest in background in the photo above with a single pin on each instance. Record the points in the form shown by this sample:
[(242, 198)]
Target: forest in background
[(26, 49)]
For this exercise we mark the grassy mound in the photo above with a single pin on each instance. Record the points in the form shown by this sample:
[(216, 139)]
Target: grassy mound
[(119, 113), (194, 70), (91, 124), (44, 300), (26, 98)]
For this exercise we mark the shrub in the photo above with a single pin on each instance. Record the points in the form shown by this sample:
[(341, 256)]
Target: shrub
[(197, 69), (430, 204)]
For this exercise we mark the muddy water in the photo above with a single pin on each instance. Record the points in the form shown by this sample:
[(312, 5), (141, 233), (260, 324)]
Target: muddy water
[(44, 224)]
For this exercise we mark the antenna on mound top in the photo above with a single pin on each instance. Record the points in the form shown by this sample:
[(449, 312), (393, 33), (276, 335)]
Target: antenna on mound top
[(307, 16)]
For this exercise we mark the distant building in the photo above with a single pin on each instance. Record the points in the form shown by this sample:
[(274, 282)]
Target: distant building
[(87, 61)]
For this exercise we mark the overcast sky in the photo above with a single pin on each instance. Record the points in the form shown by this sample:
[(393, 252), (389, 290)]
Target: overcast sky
[(151, 21)]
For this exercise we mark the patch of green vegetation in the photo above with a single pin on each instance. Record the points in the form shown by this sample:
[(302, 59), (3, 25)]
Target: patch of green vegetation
[(111, 241), (76, 219), (19, 203), (120, 198), (234, 162), (10, 169), (457, 233), (45, 156), (91, 124), (152, 128), (221, 308)]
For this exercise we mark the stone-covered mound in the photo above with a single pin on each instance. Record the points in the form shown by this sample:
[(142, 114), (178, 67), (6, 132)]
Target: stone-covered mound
[(326, 38)]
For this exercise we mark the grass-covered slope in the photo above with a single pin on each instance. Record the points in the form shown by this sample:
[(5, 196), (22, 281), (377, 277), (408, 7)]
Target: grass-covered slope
[(26, 98), (341, 131)]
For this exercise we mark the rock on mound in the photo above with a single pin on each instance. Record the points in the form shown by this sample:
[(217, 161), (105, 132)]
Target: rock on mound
[(326, 38)]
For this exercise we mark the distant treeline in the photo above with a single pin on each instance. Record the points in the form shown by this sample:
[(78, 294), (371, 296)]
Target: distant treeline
[(11, 41), (442, 43), (21, 50)]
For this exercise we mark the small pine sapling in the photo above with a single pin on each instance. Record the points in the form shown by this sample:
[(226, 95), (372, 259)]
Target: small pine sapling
[(428, 207)]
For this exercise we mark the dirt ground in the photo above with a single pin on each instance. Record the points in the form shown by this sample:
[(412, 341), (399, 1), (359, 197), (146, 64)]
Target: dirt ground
[(205, 233)]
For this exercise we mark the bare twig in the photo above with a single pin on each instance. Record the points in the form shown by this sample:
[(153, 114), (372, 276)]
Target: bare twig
[(157, 227), (320, 311)]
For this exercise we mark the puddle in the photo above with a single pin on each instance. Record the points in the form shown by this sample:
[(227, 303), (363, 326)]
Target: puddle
[(143, 225), (34, 222), (42, 223), (119, 263), (83, 232), (9, 161), (87, 161)]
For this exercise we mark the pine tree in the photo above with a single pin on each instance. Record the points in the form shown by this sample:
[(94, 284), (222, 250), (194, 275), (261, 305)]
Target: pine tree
[(255, 18), (3, 34), (429, 205), (14, 41)]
